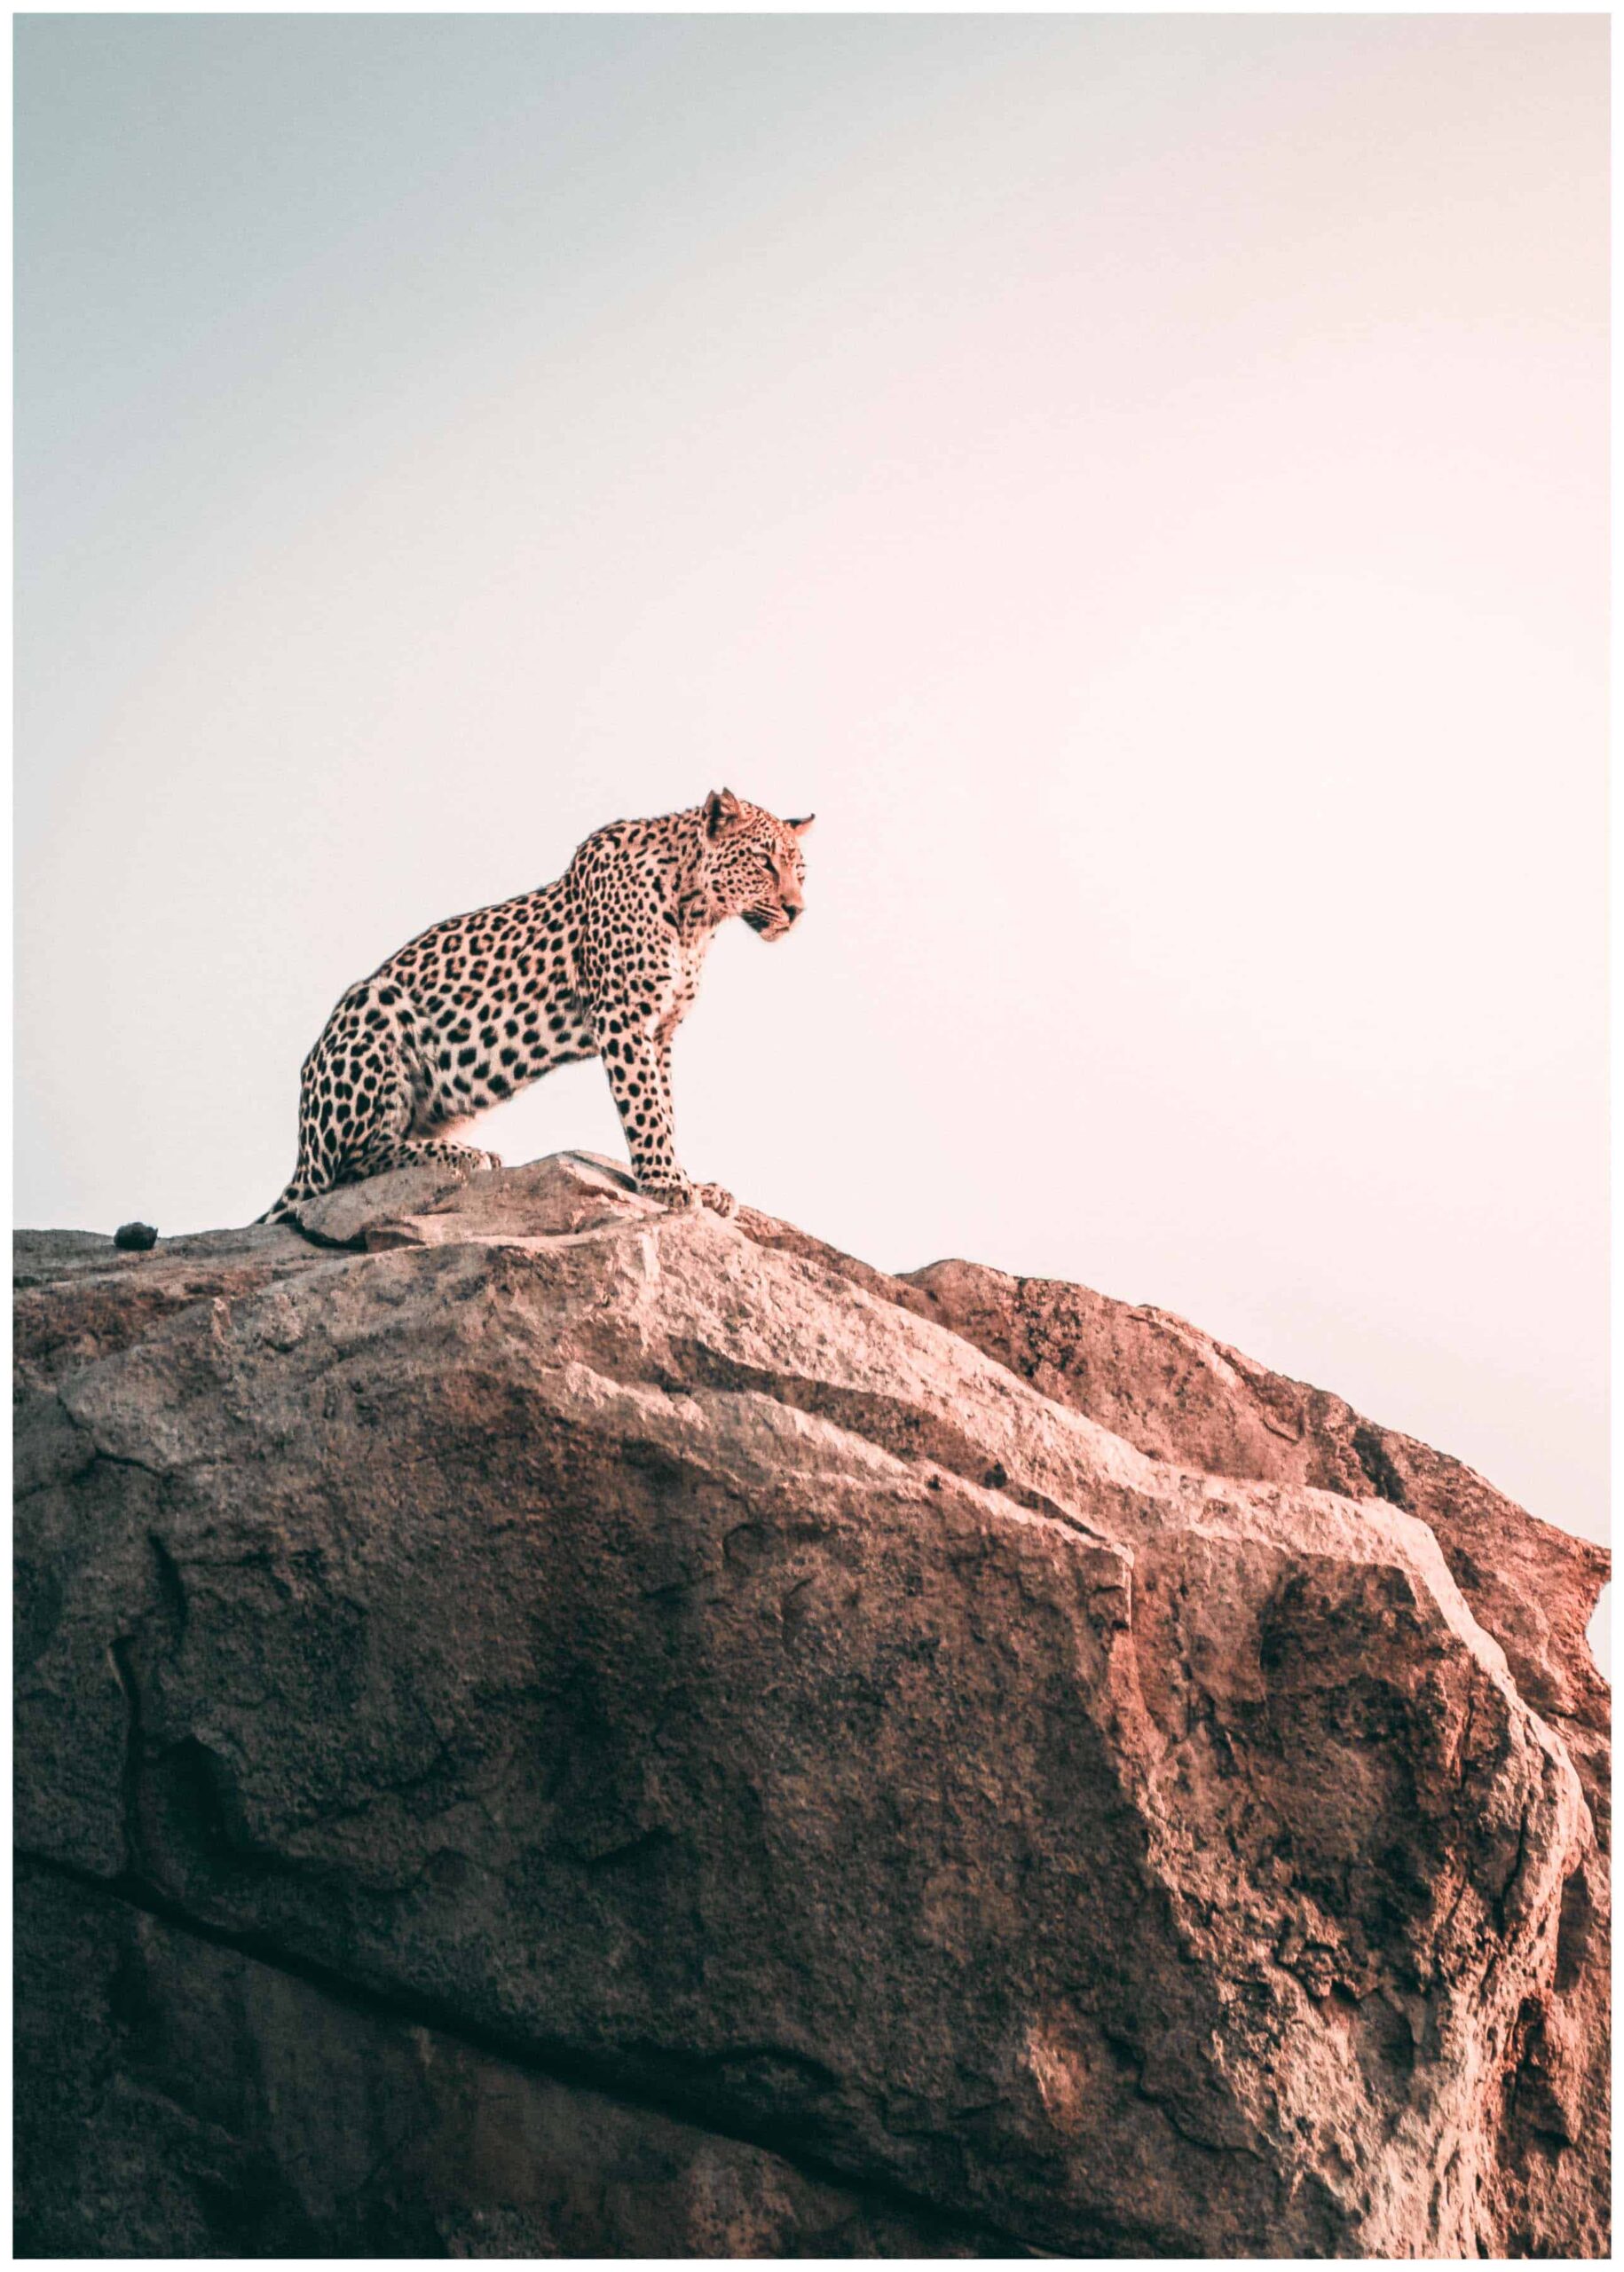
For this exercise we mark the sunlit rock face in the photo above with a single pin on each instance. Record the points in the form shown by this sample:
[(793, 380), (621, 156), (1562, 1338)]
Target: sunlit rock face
[(548, 1726)]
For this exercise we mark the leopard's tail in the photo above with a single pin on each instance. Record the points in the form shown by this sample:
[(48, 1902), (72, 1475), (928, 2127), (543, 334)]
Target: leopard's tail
[(282, 1208)]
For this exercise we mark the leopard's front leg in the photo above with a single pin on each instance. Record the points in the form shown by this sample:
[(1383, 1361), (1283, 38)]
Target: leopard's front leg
[(633, 992), (639, 1069), (698, 1194)]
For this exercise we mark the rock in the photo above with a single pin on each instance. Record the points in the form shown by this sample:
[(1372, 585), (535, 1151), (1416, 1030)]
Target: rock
[(344, 1216), (182, 2098), (934, 1734), (74, 1303), (40, 1255), (136, 1236), (1179, 1395)]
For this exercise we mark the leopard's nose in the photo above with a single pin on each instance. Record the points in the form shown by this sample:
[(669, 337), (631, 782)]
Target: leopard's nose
[(790, 914)]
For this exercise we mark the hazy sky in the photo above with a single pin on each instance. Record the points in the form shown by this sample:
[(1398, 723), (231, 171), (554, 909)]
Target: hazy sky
[(1140, 480)]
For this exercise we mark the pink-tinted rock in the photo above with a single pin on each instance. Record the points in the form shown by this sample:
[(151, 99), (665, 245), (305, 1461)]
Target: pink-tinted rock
[(981, 1744)]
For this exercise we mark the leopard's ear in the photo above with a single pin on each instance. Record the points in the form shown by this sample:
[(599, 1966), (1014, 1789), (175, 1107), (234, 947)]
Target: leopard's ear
[(721, 807), (801, 826)]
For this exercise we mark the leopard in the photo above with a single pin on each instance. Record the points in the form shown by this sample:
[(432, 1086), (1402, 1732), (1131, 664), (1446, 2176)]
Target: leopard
[(603, 962)]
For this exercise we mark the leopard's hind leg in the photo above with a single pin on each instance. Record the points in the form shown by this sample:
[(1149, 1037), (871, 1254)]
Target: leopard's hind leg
[(393, 1143), (410, 1152), (361, 1093)]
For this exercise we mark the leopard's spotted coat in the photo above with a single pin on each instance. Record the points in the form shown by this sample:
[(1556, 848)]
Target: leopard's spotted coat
[(604, 963)]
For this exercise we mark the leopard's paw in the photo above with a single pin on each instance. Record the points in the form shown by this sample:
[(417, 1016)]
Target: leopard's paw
[(677, 1197), (712, 1195)]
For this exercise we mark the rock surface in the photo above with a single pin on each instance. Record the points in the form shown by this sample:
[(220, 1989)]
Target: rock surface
[(657, 1737), (188, 2099)]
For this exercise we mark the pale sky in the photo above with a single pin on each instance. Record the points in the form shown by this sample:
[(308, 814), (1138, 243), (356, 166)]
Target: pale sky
[(1140, 480)]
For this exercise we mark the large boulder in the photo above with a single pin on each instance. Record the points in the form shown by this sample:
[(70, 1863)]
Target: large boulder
[(1027, 1777)]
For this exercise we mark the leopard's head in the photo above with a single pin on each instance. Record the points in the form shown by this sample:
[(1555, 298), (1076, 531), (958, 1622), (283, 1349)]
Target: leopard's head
[(752, 863)]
